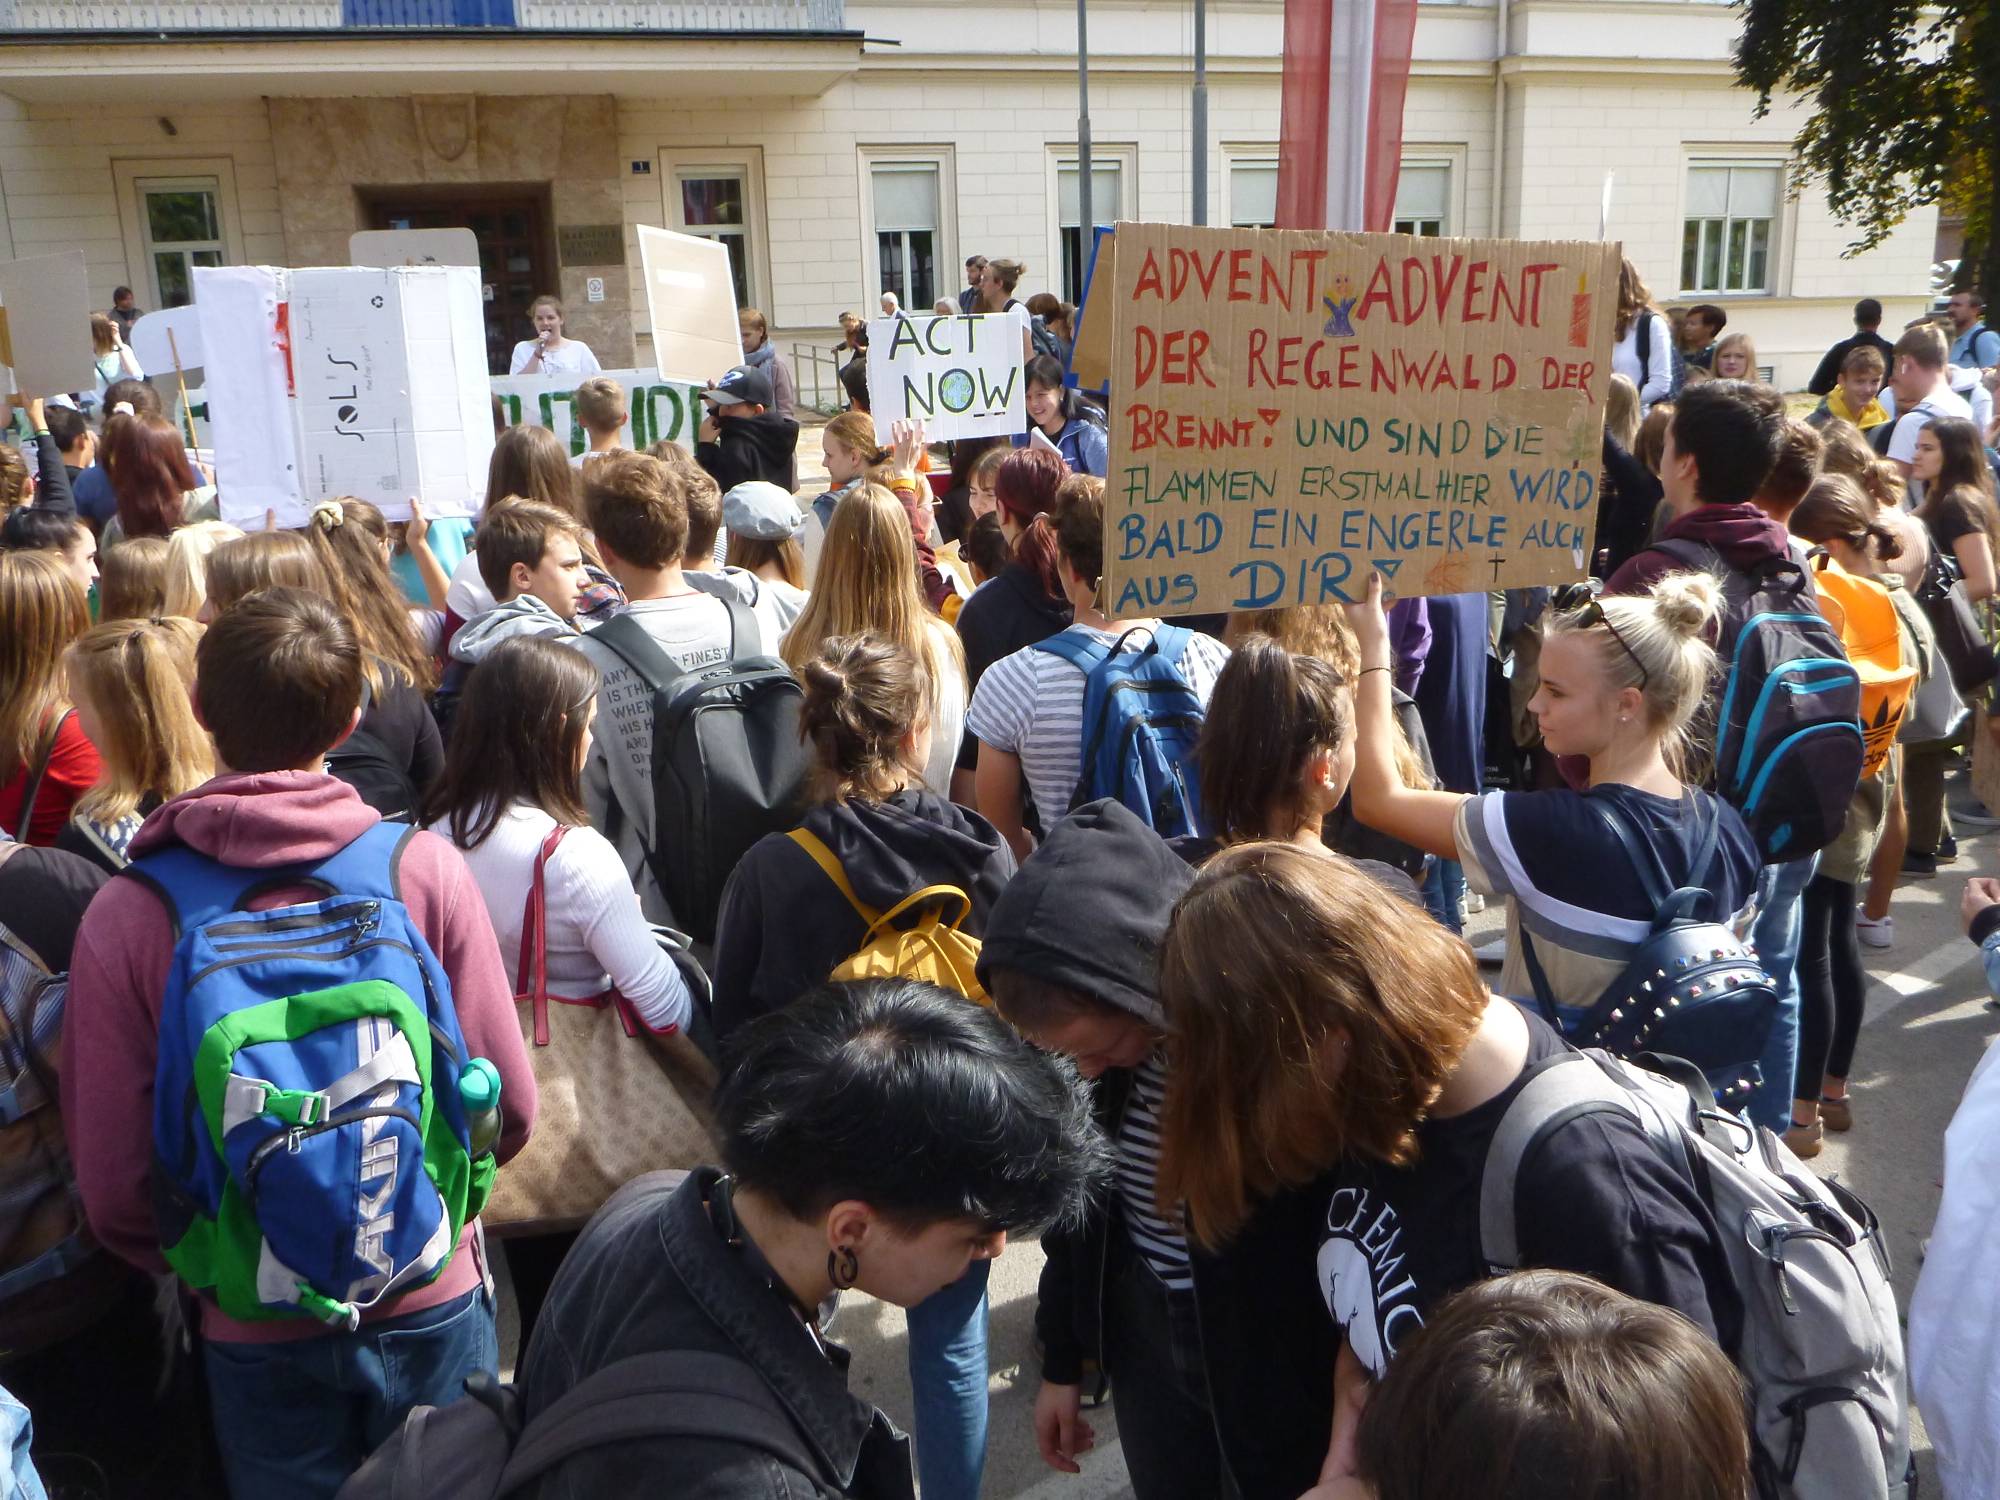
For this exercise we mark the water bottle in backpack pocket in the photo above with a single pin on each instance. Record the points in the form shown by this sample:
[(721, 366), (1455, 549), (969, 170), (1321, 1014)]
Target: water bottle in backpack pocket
[(312, 1152), (1140, 723), (1787, 729)]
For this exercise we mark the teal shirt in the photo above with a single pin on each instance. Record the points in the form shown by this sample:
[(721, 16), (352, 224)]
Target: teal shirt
[(448, 537)]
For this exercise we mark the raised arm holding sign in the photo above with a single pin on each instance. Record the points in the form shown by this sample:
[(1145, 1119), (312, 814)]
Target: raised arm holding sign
[(1293, 409)]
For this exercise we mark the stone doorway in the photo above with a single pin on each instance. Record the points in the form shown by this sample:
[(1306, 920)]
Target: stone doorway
[(517, 260)]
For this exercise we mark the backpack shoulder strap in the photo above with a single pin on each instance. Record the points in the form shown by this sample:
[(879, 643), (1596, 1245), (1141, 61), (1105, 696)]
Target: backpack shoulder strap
[(1697, 555), (1172, 642), (683, 1393), (830, 866), (1545, 995), (1084, 652), (626, 639), (1559, 1089), (742, 621), (1653, 878), (1645, 337)]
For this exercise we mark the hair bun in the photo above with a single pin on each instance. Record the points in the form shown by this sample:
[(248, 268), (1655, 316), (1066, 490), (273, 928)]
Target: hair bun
[(1687, 603)]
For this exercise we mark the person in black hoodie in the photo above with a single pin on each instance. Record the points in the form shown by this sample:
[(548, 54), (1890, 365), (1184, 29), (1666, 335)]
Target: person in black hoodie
[(1221, 1364), (741, 438), (784, 926), (856, 1158)]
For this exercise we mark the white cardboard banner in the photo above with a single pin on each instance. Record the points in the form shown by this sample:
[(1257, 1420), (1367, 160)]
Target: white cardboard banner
[(690, 302), (346, 380), (413, 247), (959, 375), (45, 318)]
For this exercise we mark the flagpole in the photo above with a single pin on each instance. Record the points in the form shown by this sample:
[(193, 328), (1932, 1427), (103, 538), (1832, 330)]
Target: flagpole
[(1086, 223), (1200, 111)]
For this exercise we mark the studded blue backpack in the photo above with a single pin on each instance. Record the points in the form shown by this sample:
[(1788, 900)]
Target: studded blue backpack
[(1693, 990)]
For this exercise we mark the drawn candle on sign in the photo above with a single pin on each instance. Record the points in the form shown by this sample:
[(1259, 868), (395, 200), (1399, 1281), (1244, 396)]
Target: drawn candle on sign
[(1579, 315)]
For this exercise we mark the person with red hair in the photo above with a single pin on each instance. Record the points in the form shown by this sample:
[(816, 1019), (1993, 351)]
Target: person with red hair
[(158, 490)]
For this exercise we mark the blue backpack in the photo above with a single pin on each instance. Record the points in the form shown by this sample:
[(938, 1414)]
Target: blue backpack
[(1140, 722), (1787, 728), (312, 1154)]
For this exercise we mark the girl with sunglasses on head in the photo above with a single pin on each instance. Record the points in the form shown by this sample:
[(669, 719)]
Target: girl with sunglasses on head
[(1621, 678)]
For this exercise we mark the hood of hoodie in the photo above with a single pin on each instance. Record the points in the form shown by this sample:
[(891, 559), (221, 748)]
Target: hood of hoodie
[(776, 437), (1026, 587), (916, 838), (1089, 910), (259, 820), (1743, 534), (523, 615)]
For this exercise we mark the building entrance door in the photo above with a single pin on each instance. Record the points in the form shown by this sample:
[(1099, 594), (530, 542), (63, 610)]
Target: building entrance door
[(517, 261)]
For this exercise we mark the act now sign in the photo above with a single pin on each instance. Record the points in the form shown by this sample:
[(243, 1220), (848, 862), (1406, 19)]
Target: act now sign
[(959, 375)]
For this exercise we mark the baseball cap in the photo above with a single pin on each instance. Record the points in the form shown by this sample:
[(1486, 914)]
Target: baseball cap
[(746, 385), (761, 511)]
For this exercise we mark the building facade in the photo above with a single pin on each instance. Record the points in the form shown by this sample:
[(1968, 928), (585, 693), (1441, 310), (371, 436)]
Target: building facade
[(843, 149)]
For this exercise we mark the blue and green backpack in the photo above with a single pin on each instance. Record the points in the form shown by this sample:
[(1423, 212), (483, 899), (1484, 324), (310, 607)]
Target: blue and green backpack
[(311, 1153)]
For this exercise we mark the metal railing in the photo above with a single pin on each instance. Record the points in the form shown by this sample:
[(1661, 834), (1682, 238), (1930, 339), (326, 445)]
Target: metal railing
[(98, 16), (816, 370)]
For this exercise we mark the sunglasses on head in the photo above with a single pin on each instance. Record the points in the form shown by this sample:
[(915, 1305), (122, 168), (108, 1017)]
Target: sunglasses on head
[(1592, 614)]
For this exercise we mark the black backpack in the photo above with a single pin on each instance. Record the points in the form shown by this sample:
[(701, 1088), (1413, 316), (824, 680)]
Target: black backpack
[(728, 763), (1692, 990), (1676, 361), (482, 1448), (1786, 731), (366, 764)]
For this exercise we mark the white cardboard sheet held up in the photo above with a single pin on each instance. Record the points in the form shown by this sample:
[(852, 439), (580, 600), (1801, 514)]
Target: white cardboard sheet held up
[(691, 304), (346, 381), (45, 315)]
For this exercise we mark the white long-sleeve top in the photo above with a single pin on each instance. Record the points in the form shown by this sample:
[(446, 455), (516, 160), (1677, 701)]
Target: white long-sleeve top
[(1657, 379), (598, 939)]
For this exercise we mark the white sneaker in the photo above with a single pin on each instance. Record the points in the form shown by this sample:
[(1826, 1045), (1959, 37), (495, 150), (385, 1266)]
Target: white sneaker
[(1476, 903), (1492, 954), (1876, 932)]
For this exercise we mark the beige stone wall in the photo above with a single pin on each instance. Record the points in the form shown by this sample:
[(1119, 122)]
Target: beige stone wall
[(326, 149)]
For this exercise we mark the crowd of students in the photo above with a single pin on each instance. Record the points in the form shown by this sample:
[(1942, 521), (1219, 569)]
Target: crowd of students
[(785, 783)]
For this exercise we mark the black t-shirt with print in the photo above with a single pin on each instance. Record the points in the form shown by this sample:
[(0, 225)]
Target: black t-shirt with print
[(1595, 1199)]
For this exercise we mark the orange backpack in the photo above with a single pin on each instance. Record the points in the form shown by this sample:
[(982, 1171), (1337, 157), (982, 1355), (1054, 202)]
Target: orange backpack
[(1861, 610)]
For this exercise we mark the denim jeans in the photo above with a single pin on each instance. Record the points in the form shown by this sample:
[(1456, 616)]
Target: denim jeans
[(1159, 1383), (1776, 939), (948, 1386), (1444, 892), (294, 1420)]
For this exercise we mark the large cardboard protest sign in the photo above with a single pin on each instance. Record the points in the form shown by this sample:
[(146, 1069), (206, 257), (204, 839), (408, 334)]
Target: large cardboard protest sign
[(168, 340), (1293, 409), (691, 304), (1090, 354), (655, 407), (45, 324), (345, 381), (959, 375), (413, 247)]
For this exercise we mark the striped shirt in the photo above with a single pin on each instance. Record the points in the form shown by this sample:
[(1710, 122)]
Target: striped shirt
[(1161, 1243), (1030, 704)]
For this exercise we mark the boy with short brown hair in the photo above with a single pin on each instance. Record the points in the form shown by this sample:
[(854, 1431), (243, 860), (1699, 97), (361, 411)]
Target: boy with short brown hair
[(602, 413), (297, 1403)]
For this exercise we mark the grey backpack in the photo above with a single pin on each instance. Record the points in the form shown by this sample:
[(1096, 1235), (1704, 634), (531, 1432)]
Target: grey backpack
[(1821, 1348)]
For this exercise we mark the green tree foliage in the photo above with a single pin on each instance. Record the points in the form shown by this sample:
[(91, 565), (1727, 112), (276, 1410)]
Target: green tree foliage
[(1905, 100)]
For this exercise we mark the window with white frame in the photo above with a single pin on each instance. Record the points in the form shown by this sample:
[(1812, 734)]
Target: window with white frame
[(1423, 199), (714, 203), (1726, 237), (906, 230), (180, 227), (1253, 193), (1107, 207)]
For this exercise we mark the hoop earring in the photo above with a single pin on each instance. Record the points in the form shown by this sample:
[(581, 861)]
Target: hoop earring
[(843, 1267)]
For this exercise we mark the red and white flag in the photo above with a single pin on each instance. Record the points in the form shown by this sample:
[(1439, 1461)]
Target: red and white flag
[(1347, 67)]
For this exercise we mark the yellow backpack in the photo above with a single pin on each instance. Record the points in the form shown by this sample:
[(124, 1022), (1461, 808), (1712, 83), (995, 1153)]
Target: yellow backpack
[(933, 950), (1861, 611)]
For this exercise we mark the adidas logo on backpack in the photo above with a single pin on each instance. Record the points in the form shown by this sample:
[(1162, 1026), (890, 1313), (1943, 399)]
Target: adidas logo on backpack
[(1821, 1348)]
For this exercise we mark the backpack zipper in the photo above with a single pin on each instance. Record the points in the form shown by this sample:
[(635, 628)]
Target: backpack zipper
[(348, 952), (368, 913), (291, 1140)]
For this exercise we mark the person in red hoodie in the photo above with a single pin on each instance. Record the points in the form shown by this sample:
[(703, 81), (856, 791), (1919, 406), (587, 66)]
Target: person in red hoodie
[(297, 1405), (1720, 449)]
